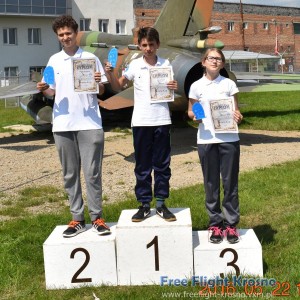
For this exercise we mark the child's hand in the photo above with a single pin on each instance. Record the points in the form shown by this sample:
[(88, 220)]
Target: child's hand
[(172, 85), (237, 116), (42, 86), (108, 67), (97, 77), (197, 120)]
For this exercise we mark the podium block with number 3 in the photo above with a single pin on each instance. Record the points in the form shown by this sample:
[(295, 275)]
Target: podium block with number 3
[(153, 248), (212, 260), (84, 260)]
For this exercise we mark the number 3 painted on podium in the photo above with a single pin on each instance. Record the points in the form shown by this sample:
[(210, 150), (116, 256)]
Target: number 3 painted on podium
[(232, 263)]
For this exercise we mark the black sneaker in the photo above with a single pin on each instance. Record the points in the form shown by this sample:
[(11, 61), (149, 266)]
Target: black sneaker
[(142, 214), (164, 213), (100, 227), (232, 235), (74, 228), (216, 236)]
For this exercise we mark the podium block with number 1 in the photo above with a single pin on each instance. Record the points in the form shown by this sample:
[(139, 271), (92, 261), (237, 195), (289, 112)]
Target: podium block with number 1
[(153, 248)]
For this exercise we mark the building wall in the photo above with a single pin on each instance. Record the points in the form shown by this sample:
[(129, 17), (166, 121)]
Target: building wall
[(105, 9), (255, 38), (24, 55)]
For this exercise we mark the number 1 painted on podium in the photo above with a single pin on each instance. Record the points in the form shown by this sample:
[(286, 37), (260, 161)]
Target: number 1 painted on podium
[(155, 243)]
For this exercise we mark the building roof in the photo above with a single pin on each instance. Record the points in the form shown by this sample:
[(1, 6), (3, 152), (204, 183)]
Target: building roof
[(246, 55), (281, 3)]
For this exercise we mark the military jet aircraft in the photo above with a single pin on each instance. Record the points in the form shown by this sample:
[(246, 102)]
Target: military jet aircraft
[(184, 35)]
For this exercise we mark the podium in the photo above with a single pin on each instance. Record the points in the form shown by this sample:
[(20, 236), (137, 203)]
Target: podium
[(153, 248), (86, 259), (219, 260), (150, 252)]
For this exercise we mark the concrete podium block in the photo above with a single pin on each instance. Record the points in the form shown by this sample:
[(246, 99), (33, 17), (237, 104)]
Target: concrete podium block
[(153, 248), (213, 260), (86, 259)]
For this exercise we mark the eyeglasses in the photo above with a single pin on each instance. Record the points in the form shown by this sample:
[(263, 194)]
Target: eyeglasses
[(212, 58)]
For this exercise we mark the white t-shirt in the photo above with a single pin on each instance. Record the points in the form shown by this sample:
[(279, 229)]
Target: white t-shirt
[(73, 111), (205, 90), (146, 113)]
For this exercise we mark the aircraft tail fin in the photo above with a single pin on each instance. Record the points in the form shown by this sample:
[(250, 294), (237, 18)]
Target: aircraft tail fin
[(183, 18)]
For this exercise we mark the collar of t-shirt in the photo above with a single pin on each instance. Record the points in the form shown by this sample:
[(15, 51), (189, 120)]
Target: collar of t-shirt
[(158, 63), (76, 55), (208, 82)]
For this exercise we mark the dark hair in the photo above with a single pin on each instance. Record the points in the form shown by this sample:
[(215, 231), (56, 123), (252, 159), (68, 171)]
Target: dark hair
[(149, 33), (206, 53), (64, 21)]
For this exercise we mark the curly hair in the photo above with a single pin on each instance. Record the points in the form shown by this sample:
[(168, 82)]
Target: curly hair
[(64, 21)]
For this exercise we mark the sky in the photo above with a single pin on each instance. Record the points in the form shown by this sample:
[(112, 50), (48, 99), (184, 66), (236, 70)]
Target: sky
[(288, 3)]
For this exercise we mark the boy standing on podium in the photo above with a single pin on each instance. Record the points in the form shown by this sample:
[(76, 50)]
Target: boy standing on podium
[(151, 123), (77, 129)]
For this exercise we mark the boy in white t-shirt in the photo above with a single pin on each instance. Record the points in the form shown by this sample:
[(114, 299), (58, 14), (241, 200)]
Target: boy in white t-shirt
[(77, 129), (151, 129)]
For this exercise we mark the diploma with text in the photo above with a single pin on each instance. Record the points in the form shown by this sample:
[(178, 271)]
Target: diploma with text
[(222, 115), (159, 78), (83, 75)]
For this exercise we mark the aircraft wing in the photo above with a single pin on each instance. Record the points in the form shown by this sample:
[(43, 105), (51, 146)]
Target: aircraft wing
[(10, 91), (123, 99), (267, 82)]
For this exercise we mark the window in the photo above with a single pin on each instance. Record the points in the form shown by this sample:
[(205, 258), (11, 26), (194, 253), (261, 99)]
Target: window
[(36, 69), (34, 36), (245, 25), (230, 26), (10, 36), (103, 25), (296, 28), (120, 27), (35, 72), (28, 7), (266, 26), (85, 24), (10, 71)]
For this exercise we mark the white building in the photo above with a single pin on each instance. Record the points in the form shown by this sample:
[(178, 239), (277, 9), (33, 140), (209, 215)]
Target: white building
[(26, 37)]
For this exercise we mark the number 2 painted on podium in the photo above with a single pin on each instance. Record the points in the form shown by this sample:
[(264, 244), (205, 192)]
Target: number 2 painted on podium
[(155, 243), (75, 278)]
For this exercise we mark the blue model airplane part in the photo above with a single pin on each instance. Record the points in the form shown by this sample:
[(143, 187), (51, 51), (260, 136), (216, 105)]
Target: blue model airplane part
[(113, 57), (49, 75), (198, 111)]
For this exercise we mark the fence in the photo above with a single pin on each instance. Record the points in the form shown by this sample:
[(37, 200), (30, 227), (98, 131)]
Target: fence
[(11, 81)]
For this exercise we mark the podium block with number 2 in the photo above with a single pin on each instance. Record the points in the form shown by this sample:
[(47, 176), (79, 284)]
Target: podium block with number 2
[(153, 248), (84, 260)]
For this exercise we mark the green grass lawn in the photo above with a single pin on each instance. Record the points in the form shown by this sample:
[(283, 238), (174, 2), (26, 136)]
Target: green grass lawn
[(270, 110), (13, 116), (269, 200)]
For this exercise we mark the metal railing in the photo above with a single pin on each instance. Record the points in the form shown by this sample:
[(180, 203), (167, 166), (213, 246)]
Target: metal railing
[(13, 80)]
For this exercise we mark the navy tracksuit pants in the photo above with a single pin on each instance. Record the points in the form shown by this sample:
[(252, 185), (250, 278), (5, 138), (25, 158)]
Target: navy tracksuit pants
[(152, 152)]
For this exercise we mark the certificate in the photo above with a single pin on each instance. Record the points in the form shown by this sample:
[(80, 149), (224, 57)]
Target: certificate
[(83, 75), (222, 115), (159, 78)]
